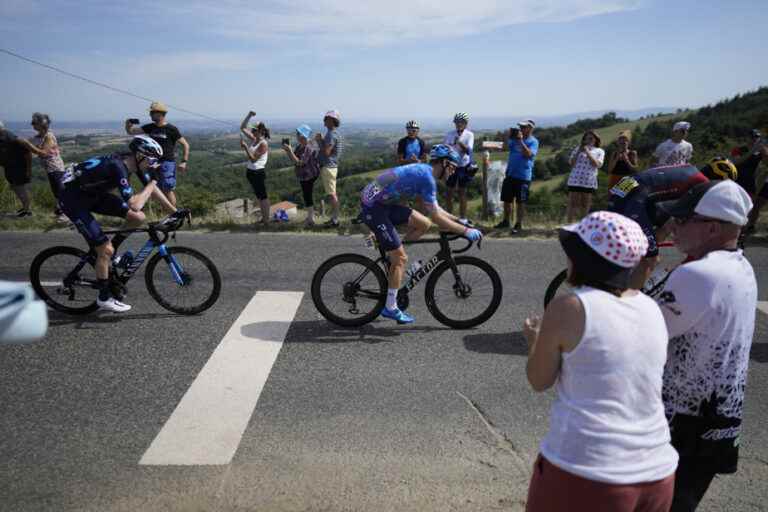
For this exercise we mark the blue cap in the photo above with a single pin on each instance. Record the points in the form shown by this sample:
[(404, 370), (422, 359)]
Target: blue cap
[(304, 130)]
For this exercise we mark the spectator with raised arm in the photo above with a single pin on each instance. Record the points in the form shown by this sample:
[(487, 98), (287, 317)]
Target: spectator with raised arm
[(305, 160), (523, 147), (675, 150), (411, 149), (256, 147), (585, 160), (51, 160), (167, 135), (331, 146), (603, 348), (623, 161), (462, 141)]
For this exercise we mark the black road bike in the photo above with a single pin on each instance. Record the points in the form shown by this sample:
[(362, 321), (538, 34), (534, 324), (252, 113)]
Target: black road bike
[(351, 289), (180, 279)]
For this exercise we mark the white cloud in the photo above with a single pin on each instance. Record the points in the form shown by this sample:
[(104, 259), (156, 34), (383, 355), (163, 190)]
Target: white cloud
[(376, 23)]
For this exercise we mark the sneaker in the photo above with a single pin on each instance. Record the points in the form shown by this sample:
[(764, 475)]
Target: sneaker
[(331, 224), (112, 304), (396, 314), (502, 225), (516, 229), (23, 213)]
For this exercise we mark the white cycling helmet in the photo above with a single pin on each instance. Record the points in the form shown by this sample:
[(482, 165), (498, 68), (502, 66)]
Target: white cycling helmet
[(145, 145), (461, 117)]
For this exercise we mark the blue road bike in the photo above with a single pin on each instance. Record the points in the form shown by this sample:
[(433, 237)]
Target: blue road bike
[(180, 279)]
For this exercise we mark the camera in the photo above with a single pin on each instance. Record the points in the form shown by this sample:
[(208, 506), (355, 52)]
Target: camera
[(513, 132), (287, 141), (134, 121)]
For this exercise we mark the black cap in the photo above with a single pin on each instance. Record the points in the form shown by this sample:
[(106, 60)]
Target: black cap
[(685, 205)]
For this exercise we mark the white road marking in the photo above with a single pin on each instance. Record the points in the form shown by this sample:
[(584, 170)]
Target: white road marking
[(762, 305), (207, 424)]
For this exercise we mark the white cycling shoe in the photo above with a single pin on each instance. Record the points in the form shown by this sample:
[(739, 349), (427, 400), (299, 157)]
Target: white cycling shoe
[(112, 304)]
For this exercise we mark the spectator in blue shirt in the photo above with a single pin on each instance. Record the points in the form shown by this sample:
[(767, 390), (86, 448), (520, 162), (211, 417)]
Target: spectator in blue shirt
[(523, 147), (411, 149)]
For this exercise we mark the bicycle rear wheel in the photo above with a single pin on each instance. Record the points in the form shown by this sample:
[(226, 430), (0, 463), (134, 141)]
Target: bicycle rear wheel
[(64, 277), (464, 299), (189, 283), (349, 290)]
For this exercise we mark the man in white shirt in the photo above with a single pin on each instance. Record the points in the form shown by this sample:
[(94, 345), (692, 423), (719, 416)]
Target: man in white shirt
[(462, 141), (675, 150), (709, 306)]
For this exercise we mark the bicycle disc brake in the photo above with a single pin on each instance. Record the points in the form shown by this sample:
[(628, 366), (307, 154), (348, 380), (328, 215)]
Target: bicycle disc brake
[(461, 290)]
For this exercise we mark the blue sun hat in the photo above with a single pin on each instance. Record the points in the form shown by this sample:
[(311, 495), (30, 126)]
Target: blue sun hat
[(304, 130)]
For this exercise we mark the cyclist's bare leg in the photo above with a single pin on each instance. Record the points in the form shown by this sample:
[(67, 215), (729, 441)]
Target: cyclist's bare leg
[(418, 224), (104, 253), (397, 261)]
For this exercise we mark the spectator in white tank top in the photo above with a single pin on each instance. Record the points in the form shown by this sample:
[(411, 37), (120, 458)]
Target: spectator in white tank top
[(604, 347), (254, 142)]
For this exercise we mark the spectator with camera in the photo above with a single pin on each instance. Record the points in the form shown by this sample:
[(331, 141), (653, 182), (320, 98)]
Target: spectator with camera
[(675, 150), (411, 149), (253, 140), (305, 160), (623, 161), (585, 160), (167, 135), (523, 147), (462, 141)]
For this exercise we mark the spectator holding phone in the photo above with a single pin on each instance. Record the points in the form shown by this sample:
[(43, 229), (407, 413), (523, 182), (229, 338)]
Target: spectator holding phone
[(305, 159), (331, 146), (411, 149), (585, 160), (623, 161), (167, 135), (254, 143), (675, 150), (523, 147)]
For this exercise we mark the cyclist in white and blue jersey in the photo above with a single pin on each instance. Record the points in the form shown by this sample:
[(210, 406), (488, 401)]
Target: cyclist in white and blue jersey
[(382, 209)]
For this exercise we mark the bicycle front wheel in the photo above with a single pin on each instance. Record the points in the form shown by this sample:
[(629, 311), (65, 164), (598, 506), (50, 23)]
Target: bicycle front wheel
[(349, 290), (557, 286), (188, 284), (464, 298), (64, 277)]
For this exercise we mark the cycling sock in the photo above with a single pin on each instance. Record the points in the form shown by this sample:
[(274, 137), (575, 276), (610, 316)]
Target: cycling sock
[(392, 298), (118, 239), (103, 285)]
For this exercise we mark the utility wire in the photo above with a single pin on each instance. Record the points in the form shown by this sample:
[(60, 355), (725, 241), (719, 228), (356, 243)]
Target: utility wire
[(107, 86)]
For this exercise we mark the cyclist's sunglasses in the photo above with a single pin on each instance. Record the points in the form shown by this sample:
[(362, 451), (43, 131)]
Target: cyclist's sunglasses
[(152, 163)]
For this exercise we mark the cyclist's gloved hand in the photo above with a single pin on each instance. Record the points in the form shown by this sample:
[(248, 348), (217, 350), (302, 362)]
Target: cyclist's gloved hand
[(473, 234)]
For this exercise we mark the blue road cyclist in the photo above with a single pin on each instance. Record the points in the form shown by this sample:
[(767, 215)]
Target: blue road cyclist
[(382, 209), (87, 187)]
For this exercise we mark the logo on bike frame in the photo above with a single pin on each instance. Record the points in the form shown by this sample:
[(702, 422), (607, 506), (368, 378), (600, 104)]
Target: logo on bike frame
[(422, 272)]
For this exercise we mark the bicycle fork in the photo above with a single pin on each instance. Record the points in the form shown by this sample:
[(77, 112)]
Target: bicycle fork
[(177, 272)]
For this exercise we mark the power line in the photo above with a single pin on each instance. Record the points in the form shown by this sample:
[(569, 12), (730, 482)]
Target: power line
[(107, 86)]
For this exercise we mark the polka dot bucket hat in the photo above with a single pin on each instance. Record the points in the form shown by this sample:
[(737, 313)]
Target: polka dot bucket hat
[(616, 238)]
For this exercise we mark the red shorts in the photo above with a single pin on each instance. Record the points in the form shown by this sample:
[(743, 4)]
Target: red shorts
[(554, 489)]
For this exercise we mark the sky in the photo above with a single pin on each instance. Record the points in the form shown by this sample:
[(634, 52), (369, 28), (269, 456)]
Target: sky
[(372, 60)]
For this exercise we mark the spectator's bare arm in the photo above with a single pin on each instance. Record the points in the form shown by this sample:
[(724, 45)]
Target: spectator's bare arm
[(244, 126)]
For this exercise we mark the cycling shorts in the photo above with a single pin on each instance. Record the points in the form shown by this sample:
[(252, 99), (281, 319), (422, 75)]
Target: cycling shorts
[(382, 219), (79, 206), (460, 177)]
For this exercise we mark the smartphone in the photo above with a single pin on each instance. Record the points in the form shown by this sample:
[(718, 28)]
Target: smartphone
[(287, 141), (134, 121)]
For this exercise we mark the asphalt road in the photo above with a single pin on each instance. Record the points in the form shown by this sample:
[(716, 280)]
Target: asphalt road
[(381, 418)]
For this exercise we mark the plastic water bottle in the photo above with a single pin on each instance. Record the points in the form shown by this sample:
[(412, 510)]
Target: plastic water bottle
[(124, 260)]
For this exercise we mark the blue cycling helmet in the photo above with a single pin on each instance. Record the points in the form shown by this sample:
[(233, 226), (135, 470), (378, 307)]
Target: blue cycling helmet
[(443, 151)]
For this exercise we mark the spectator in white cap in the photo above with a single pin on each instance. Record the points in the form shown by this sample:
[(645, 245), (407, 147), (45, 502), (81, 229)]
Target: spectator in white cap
[(709, 307), (603, 347), (331, 146), (675, 150)]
